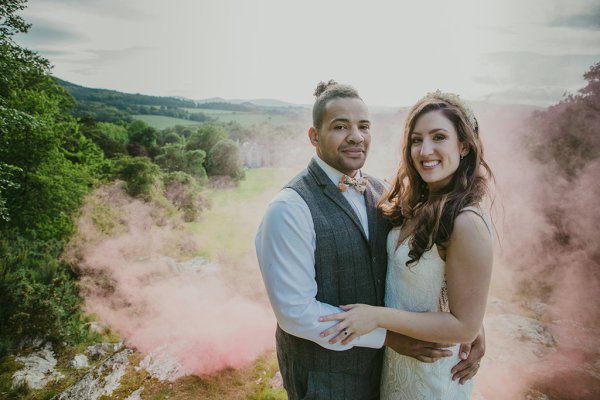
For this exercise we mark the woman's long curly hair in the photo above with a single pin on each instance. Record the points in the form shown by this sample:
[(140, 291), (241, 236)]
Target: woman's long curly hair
[(408, 197)]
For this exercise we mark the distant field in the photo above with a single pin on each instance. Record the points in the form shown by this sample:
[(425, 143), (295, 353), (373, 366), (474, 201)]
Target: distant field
[(162, 122), (243, 118)]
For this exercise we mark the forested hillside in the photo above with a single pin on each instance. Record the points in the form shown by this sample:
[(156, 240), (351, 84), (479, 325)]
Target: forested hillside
[(50, 160)]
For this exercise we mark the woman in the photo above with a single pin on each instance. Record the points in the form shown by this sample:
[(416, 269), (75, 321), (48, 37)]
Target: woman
[(439, 252)]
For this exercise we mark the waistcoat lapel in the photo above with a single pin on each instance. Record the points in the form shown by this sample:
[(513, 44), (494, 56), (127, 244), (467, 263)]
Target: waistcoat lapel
[(371, 203), (333, 192)]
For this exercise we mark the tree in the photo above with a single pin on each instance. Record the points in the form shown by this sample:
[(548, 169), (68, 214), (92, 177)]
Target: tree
[(144, 135), (140, 175), (46, 167), (205, 137), (111, 138), (224, 160), (39, 141), (567, 135), (175, 157)]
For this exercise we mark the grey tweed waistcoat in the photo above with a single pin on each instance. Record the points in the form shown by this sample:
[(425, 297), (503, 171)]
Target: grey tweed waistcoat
[(349, 269)]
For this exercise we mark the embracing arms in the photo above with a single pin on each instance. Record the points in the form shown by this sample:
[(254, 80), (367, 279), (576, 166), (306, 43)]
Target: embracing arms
[(468, 274), (285, 247)]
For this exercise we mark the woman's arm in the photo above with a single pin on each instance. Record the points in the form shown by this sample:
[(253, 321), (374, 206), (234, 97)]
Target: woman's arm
[(468, 274)]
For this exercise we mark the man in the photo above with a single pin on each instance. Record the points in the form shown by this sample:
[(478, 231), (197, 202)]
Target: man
[(322, 243)]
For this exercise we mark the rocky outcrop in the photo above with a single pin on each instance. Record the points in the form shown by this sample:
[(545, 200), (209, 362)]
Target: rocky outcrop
[(162, 366), (102, 380), (80, 361), (137, 395), (39, 368)]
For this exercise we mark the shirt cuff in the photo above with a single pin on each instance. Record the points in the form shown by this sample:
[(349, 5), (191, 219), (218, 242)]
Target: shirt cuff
[(374, 339)]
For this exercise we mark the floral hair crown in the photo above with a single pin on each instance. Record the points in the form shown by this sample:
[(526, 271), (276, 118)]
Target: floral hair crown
[(456, 101)]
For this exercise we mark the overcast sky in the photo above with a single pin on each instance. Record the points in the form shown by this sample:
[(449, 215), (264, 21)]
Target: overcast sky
[(521, 51)]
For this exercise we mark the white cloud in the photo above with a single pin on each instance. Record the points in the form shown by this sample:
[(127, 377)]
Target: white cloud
[(393, 52)]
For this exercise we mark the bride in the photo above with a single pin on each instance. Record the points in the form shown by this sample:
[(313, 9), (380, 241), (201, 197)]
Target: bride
[(439, 252)]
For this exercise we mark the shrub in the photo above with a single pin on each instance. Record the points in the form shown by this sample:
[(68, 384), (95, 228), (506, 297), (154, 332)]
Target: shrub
[(184, 192), (38, 296), (140, 175), (174, 157), (206, 137), (224, 160)]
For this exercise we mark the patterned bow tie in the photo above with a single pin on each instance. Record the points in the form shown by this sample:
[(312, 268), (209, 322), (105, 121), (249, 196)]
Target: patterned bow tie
[(359, 184)]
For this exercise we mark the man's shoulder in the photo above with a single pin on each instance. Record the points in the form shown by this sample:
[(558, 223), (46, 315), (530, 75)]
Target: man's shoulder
[(300, 180), (379, 185), (287, 209)]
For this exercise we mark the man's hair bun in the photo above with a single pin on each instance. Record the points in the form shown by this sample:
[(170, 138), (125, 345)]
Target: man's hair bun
[(322, 86)]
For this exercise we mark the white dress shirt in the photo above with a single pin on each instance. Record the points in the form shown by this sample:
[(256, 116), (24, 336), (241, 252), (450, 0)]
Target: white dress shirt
[(285, 247)]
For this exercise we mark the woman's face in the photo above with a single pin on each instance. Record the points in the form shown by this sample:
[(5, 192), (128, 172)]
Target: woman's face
[(435, 149)]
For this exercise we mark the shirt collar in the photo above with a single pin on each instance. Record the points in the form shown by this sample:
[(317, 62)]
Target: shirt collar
[(331, 172)]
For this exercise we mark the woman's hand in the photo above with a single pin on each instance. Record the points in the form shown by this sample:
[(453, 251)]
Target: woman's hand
[(357, 320)]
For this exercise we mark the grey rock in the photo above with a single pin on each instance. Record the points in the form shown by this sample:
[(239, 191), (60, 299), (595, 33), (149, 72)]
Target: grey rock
[(99, 350), (39, 368), (137, 395), (102, 380), (98, 327), (510, 331), (196, 264), (276, 381), (80, 361), (162, 366)]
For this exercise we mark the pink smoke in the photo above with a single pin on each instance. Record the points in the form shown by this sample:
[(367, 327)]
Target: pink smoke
[(542, 323), (200, 318)]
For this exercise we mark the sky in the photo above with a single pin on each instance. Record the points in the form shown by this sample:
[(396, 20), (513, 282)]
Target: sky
[(393, 52)]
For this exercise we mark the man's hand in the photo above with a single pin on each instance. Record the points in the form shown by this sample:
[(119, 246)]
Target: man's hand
[(470, 354), (422, 351)]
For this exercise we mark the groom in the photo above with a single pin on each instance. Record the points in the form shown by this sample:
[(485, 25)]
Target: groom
[(321, 244)]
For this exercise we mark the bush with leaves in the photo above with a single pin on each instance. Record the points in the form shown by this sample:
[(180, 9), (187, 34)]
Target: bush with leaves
[(38, 295), (174, 157), (224, 160), (205, 137), (140, 175), (184, 191), (111, 138)]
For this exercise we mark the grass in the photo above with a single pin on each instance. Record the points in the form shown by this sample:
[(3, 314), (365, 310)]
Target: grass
[(162, 122), (241, 117), (247, 383), (227, 229)]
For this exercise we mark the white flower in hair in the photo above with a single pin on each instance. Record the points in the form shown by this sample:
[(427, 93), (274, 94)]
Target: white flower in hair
[(456, 101)]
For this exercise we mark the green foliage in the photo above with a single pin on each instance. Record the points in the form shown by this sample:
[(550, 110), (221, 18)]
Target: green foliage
[(175, 157), (567, 135), (172, 138), (139, 132), (205, 137), (140, 175), (111, 138), (10, 23), (53, 165), (184, 191), (6, 182), (224, 160), (38, 297)]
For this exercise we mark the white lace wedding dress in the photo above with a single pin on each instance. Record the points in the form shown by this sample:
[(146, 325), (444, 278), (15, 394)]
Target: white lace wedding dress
[(418, 288)]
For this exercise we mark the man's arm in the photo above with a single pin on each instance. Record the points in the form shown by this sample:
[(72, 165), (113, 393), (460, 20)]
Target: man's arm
[(285, 247), (423, 351), (471, 355)]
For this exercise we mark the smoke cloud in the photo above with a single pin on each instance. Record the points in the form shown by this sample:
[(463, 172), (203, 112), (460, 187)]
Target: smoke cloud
[(542, 322), (200, 316)]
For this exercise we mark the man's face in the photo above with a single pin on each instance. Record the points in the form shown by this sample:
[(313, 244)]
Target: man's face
[(343, 138)]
